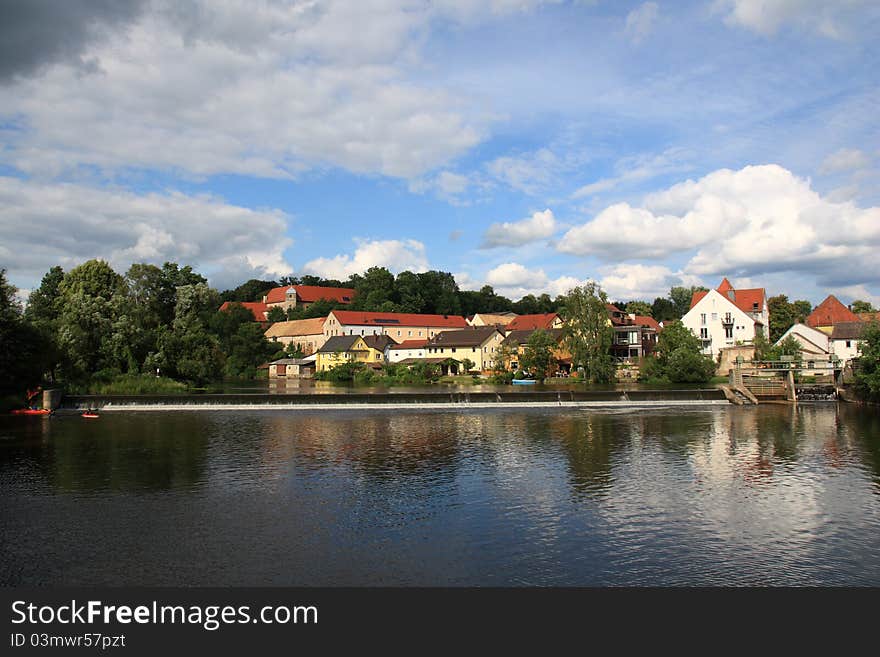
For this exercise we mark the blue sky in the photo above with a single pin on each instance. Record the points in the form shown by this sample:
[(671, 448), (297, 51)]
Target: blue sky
[(529, 145)]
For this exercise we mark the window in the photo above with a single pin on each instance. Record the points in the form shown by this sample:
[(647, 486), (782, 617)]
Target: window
[(453, 350), (398, 334), (703, 318), (714, 317), (704, 333), (728, 332), (848, 344), (473, 350), (409, 332)]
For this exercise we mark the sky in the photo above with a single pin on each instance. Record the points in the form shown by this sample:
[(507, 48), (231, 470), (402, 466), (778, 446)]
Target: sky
[(529, 145)]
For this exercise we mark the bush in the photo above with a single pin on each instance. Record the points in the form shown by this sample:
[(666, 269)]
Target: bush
[(686, 366), (129, 384)]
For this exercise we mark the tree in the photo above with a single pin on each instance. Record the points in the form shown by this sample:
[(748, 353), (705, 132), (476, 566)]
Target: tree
[(588, 333), (538, 357), (678, 357), (276, 314), (252, 290), (663, 310), (863, 307), (373, 288), (867, 371), (22, 347), (681, 299), (467, 365), (43, 303), (440, 293), (642, 308), (782, 316)]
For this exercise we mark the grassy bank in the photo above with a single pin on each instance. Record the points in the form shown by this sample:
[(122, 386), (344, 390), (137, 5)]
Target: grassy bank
[(130, 384)]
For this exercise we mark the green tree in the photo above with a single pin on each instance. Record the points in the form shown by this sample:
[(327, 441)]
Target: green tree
[(440, 293), (409, 293), (783, 316), (867, 369), (276, 314), (538, 358), (43, 305), (252, 290), (678, 357), (588, 334), (467, 365), (642, 308), (372, 289), (663, 310), (802, 310), (681, 299), (22, 347), (860, 306)]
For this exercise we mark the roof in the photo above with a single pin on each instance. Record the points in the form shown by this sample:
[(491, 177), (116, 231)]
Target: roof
[(296, 327), (360, 318), (807, 334), (869, 317), (469, 337), (310, 293), (494, 318), (339, 343), (410, 344), (745, 299), (292, 361), (522, 336), (650, 322), (830, 312), (847, 330), (378, 342), (257, 309), (542, 321)]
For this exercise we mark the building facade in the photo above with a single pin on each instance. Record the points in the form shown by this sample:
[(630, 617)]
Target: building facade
[(725, 317)]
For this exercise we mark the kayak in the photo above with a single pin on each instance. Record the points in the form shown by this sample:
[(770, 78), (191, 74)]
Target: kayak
[(90, 415), (30, 411), (523, 382)]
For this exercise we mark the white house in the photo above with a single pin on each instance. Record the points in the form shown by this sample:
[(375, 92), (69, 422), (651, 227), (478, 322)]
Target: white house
[(723, 317), (846, 340), (394, 353)]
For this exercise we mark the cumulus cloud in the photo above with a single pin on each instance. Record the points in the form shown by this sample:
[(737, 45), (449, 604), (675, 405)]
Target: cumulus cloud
[(42, 225), (637, 281), (261, 89), (640, 21), (395, 255), (513, 280), (766, 17), (541, 225), (756, 220), (846, 159)]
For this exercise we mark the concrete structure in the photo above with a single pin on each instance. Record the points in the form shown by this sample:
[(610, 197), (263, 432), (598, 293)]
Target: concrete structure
[(308, 334), (726, 317), (479, 344), (303, 296), (398, 326)]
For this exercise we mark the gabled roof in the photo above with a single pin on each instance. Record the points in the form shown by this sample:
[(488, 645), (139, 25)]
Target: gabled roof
[(311, 293), (869, 317), (808, 334), (296, 327), (378, 342), (360, 318), (847, 330), (747, 300), (410, 344), (516, 338), (650, 322), (469, 337), (257, 309), (542, 321), (830, 312), (339, 343)]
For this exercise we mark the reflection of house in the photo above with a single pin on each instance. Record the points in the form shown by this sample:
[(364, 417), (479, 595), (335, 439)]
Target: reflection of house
[(544, 321), (258, 310), (828, 313), (292, 368), (635, 336), (308, 334), (407, 349), (479, 344), (340, 349), (398, 326), (723, 317), (517, 341), (491, 319), (303, 296)]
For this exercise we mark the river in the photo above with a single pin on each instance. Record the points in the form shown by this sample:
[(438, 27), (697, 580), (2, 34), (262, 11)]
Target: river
[(698, 495)]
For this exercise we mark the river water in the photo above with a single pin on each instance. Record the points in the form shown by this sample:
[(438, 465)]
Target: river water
[(720, 495)]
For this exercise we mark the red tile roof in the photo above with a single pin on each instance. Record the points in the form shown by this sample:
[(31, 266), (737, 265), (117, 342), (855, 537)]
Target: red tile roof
[(830, 312), (310, 293), (745, 300), (525, 322), (360, 318), (258, 309), (650, 322), (410, 344)]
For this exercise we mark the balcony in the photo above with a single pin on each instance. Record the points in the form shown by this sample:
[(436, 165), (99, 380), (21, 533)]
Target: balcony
[(727, 320)]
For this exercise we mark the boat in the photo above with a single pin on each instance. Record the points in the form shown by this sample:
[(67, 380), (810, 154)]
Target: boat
[(31, 411), (524, 382), (90, 415)]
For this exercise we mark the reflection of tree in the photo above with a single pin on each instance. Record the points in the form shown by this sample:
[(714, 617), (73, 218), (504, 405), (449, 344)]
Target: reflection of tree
[(127, 453), (863, 425), (590, 443)]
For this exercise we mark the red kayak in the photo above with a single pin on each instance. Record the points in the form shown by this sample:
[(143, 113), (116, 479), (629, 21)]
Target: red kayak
[(90, 415), (31, 411)]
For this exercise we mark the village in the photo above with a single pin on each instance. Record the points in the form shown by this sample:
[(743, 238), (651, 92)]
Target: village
[(730, 324)]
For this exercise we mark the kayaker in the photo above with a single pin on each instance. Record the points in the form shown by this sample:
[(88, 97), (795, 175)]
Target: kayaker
[(31, 397)]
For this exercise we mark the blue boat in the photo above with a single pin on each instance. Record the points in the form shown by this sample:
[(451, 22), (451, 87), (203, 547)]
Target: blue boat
[(523, 382)]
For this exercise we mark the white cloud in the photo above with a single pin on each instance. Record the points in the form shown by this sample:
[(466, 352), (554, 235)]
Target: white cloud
[(514, 281), (42, 225), (261, 89), (635, 169), (846, 159), (541, 225), (766, 17), (395, 255), (757, 220), (647, 282), (640, 21), (533, 172)]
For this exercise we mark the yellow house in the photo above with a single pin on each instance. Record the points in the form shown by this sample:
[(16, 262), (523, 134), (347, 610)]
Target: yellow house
[(479, 344), (340, 349)]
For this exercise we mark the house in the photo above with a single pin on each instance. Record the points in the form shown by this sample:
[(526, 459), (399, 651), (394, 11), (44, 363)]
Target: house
[(303, 296), (816, 350), (516, 342), (544, 321), (828, 313), (635, 336), (259, 310), (340, 349), (292, 368), (726, 316), (308, 334), (408, 349), (845, 339), (491, 319), (479, 344), (398, 326)]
